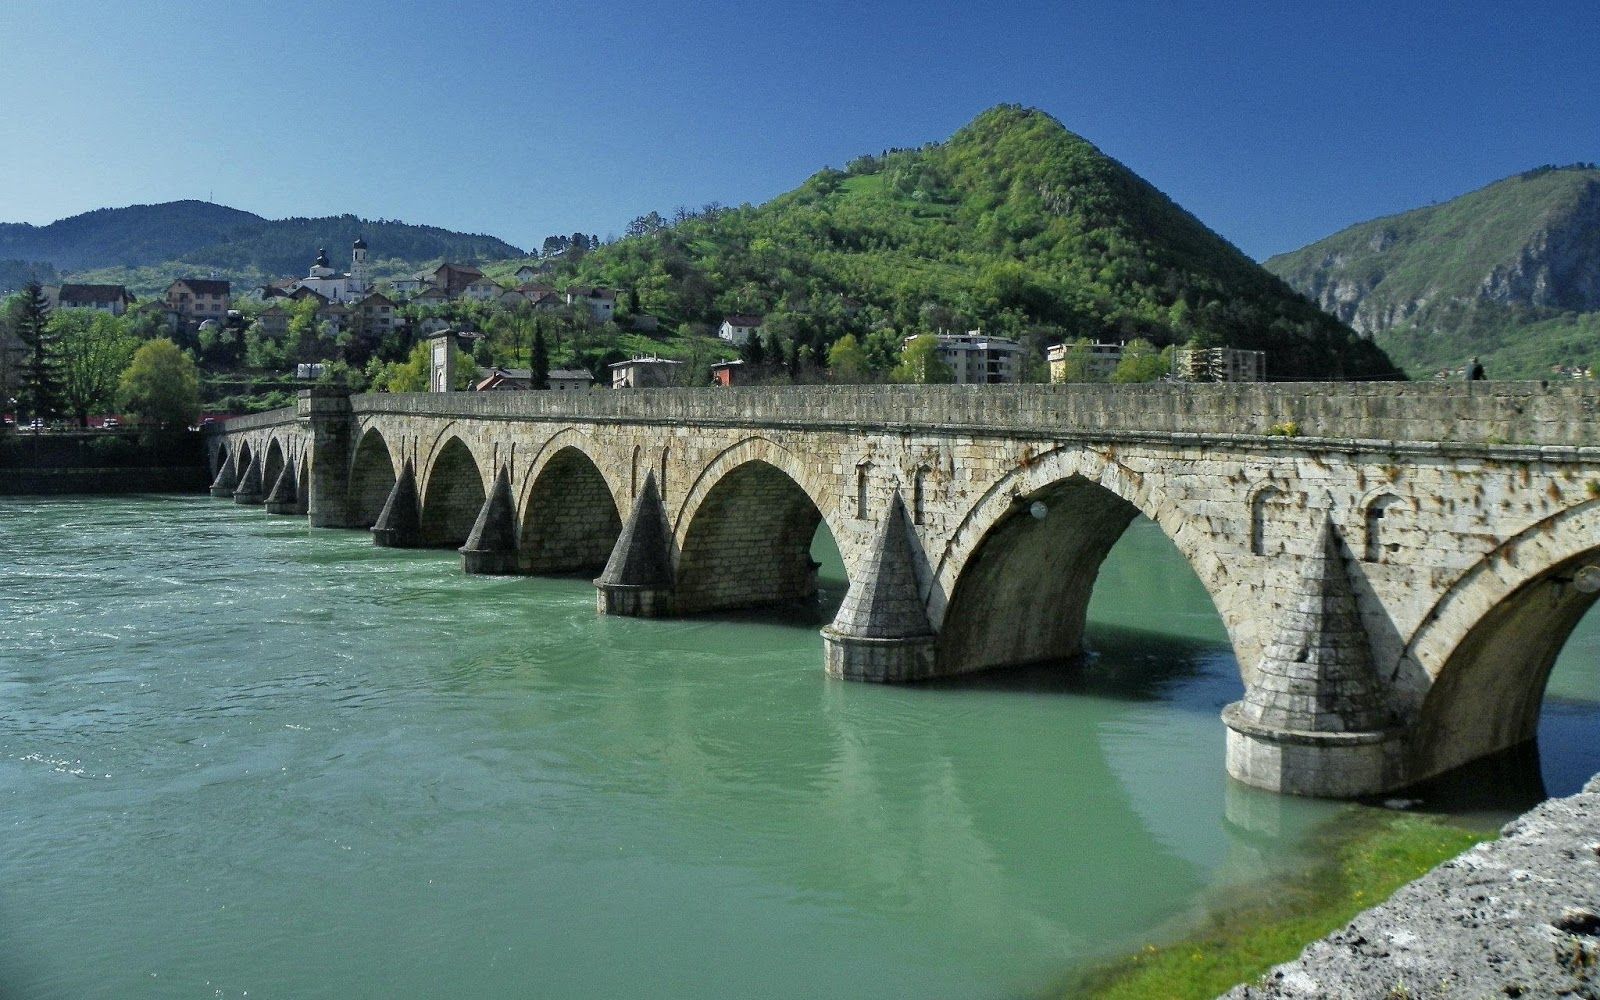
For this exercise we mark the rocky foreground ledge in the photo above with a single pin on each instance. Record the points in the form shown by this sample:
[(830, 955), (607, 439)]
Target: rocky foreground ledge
[(1516, 917)]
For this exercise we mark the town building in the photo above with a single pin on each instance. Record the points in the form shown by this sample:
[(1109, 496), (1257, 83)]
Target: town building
[(274, 320), (1219, 364), (408, 285), (113, 299), (1083, 362), (334, 285), (738, 330), (482, 290), (602, 302), (570, 380), (378, 312), (977, 359), (504, 380), (192, 300), (527, 272), (431, 296), (644, 373), (453, 279), (729, 373)]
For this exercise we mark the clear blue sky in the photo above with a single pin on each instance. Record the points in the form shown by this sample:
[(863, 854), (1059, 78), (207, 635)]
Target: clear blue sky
[(1275, 122)]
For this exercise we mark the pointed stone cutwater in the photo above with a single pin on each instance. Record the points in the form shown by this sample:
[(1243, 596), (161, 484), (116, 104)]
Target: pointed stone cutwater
[(249, 489), (1315, 720), (881, 632), (400, 524), (638, 581), (491, 547), (285, 495), (227, 479)]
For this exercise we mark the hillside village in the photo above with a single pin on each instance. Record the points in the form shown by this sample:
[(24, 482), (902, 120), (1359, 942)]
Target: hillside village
[(334, 323)]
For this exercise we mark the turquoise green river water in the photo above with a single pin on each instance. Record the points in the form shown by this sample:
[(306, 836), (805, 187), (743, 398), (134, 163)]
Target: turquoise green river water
[(242, 757)]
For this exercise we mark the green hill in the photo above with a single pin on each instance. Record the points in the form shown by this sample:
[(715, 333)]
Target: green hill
[(147, 246), (1510, 272), (1014, 224)]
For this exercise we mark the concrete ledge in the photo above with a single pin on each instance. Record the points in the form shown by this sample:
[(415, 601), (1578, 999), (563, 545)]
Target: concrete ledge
[(1518, 917)]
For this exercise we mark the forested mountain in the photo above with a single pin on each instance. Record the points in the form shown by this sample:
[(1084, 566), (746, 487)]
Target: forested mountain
[(146, 246), (1510, 272), (1014, 224)]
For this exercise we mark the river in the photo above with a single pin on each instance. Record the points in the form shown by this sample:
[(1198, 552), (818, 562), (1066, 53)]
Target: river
[(240, 757)]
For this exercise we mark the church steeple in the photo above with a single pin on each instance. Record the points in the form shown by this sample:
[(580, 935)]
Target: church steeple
[(358, 268)]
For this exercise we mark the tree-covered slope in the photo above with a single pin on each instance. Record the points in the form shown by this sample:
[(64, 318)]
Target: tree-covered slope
[(1014, 224), (146, 246), (1510, 272)]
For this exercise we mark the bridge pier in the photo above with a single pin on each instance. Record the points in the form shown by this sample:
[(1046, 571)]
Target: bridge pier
[(881, 632), (1316, 720), (638, 580), (491, 548), (249, 489), (284, 497), (326, 410), (400, 524), (226, 481)]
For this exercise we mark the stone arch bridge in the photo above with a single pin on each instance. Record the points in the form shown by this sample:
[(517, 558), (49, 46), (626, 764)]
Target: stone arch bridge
[(1397, 566)]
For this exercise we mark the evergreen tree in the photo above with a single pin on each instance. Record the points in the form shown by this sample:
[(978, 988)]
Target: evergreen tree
[(40, 394), (753, 354), (541, 361)]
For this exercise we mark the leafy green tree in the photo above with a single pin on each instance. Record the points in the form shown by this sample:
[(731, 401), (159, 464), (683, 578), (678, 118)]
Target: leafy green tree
[(1141, 362), (920, 363), (40, 390), (539, 363), (412, 374), (1075, 363), (161, 385), (847, 361), (91, 351)]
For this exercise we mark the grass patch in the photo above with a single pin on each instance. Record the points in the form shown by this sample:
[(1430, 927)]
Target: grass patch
[(1363, 857)]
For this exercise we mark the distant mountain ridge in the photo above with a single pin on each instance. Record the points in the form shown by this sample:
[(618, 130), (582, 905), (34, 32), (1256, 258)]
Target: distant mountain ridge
[(1510, 272), (141, 244)]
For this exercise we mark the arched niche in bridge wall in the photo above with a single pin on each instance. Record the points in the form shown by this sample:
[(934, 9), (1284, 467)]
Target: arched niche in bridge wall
[(271, 465), (245, 456), (372, 476), (219, 457), (745, 532), (1490, 642), (1021, 569), (452, 495), (570, 521)]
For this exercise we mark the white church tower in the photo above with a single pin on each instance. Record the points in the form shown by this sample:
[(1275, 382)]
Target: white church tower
[(358, 269)]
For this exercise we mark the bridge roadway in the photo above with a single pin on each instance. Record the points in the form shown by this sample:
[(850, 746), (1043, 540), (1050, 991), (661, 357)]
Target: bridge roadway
[(1397, 565)]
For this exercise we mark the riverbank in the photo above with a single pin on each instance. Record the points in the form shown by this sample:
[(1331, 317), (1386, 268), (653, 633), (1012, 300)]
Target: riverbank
[(95, 462), (1519, 917), (1362, 856)]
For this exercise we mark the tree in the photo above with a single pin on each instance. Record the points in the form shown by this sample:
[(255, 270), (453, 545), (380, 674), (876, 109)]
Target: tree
[(920, 363), (847, 361), (161, 385), (91, 351), (40, 394), (1076, 363), (1141, 362), (540, 362), (412, 374)]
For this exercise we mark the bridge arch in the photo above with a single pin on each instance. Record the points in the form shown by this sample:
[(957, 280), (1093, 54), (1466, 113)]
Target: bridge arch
[(245, 457), (372, 476), (272, 465), (220, 456), (744, 530), (452, 494), (1013, 584), (569, 516), (1488, 645)]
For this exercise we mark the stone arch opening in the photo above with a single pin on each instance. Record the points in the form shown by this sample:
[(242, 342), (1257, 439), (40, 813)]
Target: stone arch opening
[(1021, 597), (271, 466), (372, 478), (1378, 540), (1489, 689), (454, 495), (245, 457), (570, 521), (219, 458), (749, 543)]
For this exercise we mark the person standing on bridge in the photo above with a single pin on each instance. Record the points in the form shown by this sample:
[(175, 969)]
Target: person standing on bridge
[(1474, 370)]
